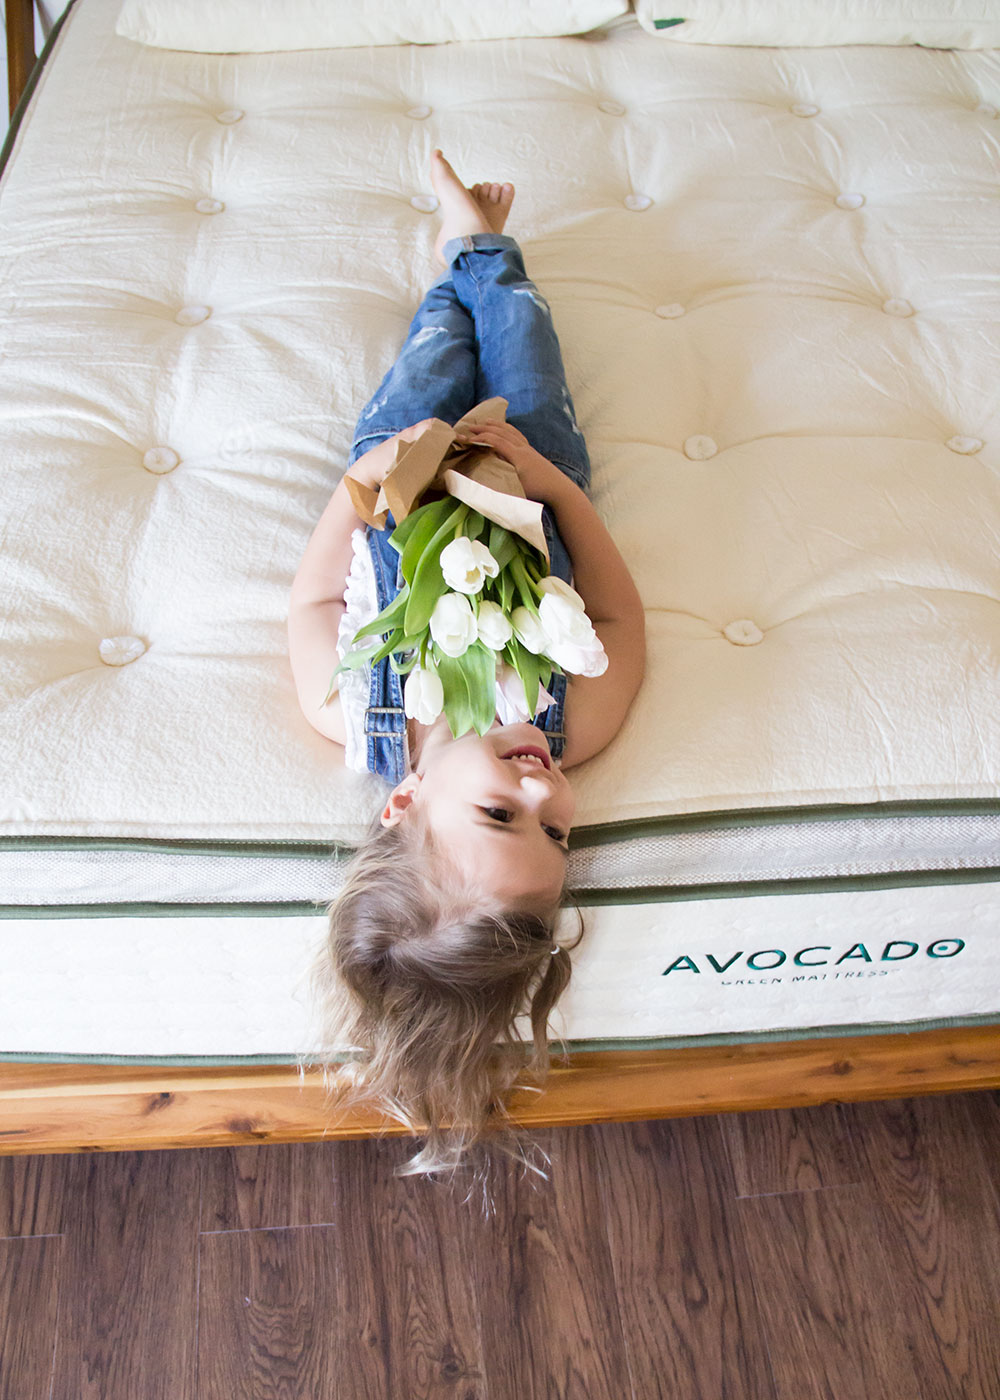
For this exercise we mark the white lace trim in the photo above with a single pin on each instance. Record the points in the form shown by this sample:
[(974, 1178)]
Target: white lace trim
[(360, 606)]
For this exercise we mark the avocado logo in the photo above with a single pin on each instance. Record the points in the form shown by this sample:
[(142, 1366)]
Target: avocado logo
[(857, 952)]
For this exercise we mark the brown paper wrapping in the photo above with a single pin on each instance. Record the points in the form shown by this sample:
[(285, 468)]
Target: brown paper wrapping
[(475, 475)]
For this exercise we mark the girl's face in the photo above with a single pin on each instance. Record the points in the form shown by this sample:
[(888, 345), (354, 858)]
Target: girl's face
[(505, 818)]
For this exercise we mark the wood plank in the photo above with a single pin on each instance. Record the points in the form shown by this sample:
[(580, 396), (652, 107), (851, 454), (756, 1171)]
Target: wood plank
[(31, 1195), (984, 1114), (792, 1149), (391, 1248), (412, 1241), (827, 1295), (129, 1281), (540, 1266), (274, 1319), (689, 1309), (938, 1225), (29, 1304), (287, 1184), (71, 1108)]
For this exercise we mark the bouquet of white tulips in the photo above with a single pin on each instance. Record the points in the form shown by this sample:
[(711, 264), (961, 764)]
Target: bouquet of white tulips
[(478, 608)]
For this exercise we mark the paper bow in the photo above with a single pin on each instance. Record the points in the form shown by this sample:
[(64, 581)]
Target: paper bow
[(435, 461)]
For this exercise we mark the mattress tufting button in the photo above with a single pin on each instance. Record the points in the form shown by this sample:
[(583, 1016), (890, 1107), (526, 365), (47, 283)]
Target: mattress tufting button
[(160, 460), (614, 109), (700, 448), (119, 651), (418, 113), (743, 633), (850, 201), (966, 445), (805, 109), (210, 206), (637, 201), (669, 312), (426, 203), (192, 315), (897, 306), (230, 116)]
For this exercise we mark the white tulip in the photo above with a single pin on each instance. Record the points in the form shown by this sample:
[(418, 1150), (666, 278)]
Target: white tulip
[(494, 629), (572, 642), (529, 631), (582, 661), (453, 624), (552, 583), (564, 622), (423, 695), (511, 689), (466, 564)]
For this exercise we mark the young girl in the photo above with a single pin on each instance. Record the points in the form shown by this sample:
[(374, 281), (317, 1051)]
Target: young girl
[(442, 935)]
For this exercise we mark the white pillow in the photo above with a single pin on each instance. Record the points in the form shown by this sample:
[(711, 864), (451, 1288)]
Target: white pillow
[(265, 26), (937, 24)]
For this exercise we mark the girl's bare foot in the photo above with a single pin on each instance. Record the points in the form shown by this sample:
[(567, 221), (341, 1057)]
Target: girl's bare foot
[(481, 209)]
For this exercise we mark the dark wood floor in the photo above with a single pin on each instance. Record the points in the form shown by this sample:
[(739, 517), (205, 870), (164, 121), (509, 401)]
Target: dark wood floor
[(850, 1252)]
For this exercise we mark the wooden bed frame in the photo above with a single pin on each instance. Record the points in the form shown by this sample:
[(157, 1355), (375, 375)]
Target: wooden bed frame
[(96, 1108), (48, 1108)]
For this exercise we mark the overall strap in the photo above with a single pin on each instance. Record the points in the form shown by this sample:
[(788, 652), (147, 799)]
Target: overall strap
[(385, 718), (552, 720)]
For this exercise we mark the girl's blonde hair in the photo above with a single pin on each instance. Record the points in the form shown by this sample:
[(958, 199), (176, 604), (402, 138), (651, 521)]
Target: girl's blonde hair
[(427, 978)]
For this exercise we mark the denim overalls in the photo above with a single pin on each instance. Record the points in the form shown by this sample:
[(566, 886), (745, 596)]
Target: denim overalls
[(482, 331)]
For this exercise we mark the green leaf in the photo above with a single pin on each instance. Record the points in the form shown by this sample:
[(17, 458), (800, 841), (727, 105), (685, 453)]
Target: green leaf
[(457, 701), (503, 545), (474, 525), (528, 671), (428, 519), (428, 581), (479, 665), (506, 592), (390, 617), (523, 585), (534, 567), (394, 642), (404, 530), (403, 668)]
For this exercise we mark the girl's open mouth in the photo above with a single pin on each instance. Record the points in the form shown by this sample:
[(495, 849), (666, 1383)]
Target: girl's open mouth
[(526, 749)]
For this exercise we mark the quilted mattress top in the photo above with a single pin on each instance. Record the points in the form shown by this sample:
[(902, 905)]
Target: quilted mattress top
[(774, 277)]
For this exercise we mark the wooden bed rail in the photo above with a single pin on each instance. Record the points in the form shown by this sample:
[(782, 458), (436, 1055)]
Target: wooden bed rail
[(98, 1108), (20, 49)]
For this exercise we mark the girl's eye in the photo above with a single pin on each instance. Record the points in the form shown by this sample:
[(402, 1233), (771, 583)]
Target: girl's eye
[(502, 814)]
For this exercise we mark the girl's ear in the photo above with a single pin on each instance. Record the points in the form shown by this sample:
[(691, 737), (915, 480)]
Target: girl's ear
[(399, 800)]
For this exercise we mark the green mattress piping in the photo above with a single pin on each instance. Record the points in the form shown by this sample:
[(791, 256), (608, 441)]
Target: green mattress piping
[(581, 837), (573, 1046), (584, 898)]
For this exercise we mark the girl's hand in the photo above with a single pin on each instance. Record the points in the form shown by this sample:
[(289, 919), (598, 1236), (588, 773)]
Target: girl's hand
[(536, 473)]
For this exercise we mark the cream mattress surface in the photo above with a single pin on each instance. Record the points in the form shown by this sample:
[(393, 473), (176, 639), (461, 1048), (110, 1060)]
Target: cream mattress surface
[(774, 277), (774, 274)]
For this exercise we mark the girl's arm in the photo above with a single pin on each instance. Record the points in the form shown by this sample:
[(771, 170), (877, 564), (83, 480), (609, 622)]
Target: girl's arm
[(316, 603), (595, 706)]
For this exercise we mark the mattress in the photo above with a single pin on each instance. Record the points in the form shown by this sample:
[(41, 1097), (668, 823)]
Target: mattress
[(774, 277)]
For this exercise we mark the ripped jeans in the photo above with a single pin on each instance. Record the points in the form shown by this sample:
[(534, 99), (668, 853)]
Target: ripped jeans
[(483, 330)]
